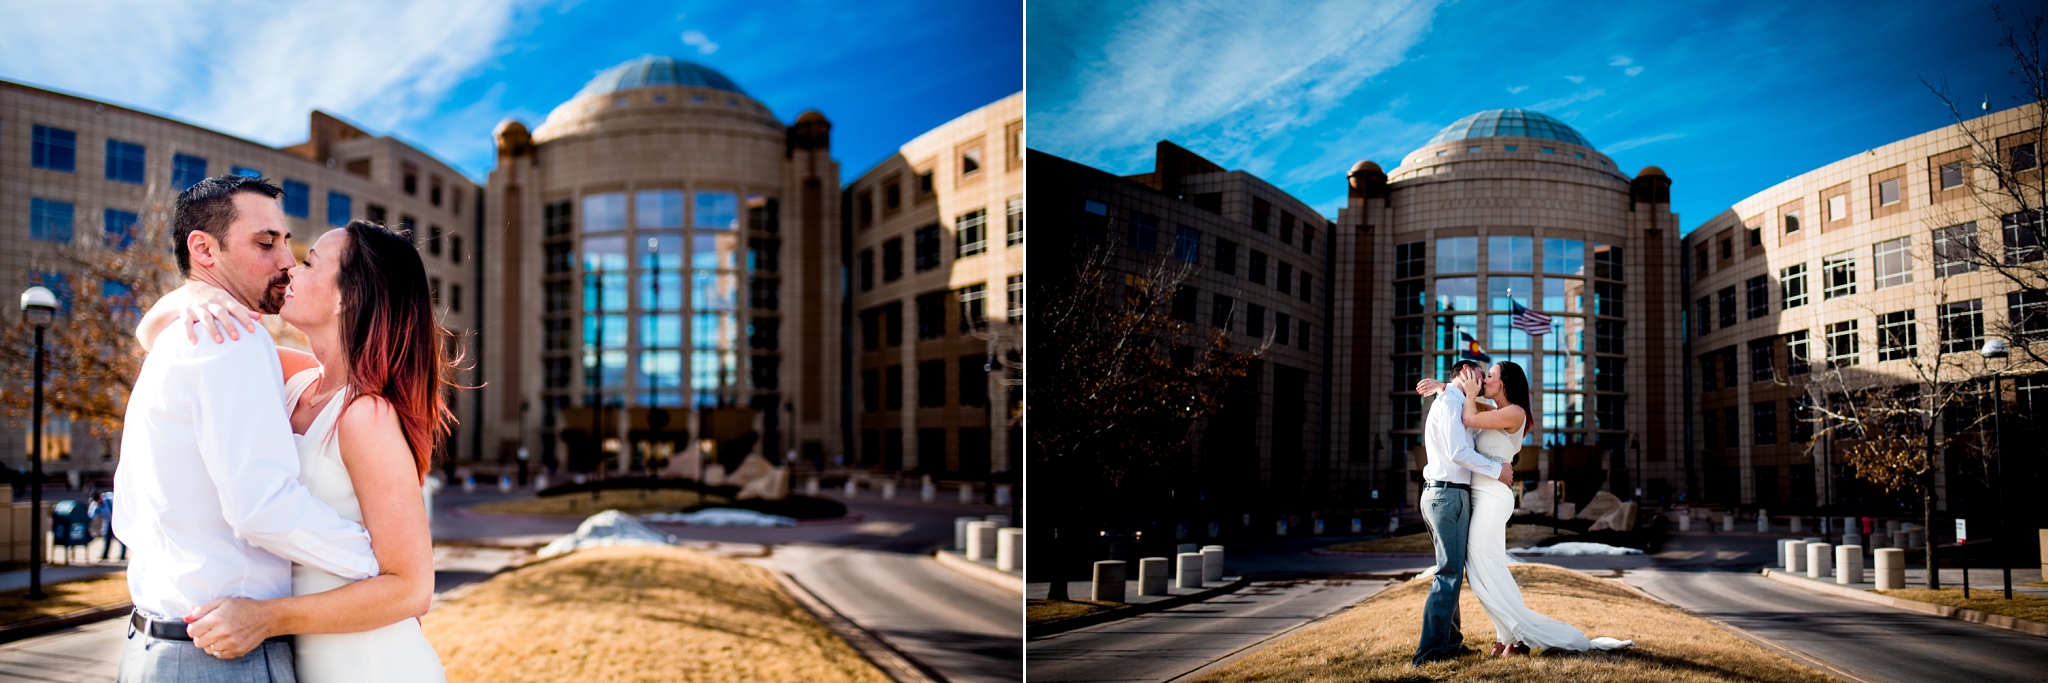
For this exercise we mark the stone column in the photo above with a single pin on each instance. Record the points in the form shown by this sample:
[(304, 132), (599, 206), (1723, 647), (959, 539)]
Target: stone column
[(1109, 581), (1848, 564), (888, 489), (1152, 576), (1189, 570), (1795, 556), (1010, 549), (1891, 569), (1820, 561), (1212, 563), (966, 493)]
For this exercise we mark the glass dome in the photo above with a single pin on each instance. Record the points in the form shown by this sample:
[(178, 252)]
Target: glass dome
[(1510, 123), (656, 71)]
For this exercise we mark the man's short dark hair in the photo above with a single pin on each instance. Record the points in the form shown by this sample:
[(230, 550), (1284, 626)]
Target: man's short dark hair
[(1459, 367), (209, 205)]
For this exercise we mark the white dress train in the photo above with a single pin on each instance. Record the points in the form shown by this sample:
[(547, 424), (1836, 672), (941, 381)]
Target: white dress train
[(398, 653), (1486, 562)]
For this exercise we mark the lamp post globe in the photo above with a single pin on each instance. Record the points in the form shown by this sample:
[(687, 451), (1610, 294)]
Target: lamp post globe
[(1995, 348), (39, 306)]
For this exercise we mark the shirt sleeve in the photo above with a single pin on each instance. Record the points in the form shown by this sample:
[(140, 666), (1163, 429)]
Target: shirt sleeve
[(246, 446), (1459, 440)]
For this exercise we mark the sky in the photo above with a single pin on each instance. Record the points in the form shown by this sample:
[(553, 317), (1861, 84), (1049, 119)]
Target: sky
[(440, 75), (1729, 98)]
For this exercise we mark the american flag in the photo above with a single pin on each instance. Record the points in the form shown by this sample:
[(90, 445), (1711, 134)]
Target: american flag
[(1526, 320)]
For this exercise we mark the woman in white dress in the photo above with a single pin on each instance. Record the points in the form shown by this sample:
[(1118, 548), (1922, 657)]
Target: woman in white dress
[(367, 408), (1501, 428)]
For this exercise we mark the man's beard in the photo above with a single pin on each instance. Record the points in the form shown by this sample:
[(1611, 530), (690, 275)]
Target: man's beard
[(273, 294)]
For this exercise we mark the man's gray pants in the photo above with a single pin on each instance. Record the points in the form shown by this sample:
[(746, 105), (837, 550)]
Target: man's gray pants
[(1448, 512), (146, 659)]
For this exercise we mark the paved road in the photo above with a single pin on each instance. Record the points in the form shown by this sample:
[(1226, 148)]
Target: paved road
[(1165, 644), (90, 653), (965, 629)]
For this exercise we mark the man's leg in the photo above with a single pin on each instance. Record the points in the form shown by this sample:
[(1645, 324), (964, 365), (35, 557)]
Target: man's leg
[(1448, 513)]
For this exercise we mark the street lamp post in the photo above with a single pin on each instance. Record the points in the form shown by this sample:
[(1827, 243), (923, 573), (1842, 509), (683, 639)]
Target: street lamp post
[(1636, 445), (1996, 348), (40, 307)]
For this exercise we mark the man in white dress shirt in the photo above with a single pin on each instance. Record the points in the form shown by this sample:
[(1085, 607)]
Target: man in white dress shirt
[(1447, 509), (209, 474)]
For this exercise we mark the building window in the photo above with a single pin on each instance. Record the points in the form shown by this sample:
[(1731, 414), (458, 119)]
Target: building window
[(892, 388), (1952, 175), (1408, 335), (927, 248), (124, 161), (1955, 249), (1607, 299), (1144, 232), (1258, 267), (1407, 412), (1727, 301), (1894, 262), (931, 315), (1838, 207), (1791, 223), (455, 297), (924, 185), (1792, 285), (1703, 317), (1407, 372), (892, 197), (1608, 374), (1255, 320), (870, 391), (2027, 313), (1220, 310), (434, 240), (892, 323), (1262, 214), (455, 248), (1014, 228), (1797, 354), (247, 172), (974, 381), (1728, 367), (1756, 236), (1014, 289), (1226, 257), (892, 259), (1610, 412), (973, 307), (1408, 259), (338, 209), (970, 162), (1187, 245), (1286, 227), (1763, 423), (1285, 278), (1308, 237), (1962, 325), (2022, 232), (867, 270), (2025, 157), (1699, 258), (1897, 336), (1607, 336), (1888, 192), (970, 233), (1757, 291), (54, 149), (1727, 248), (49, 221), (120, 228), (186, 171), (1457, 255), (1761, 365), (931, 384), (867, 209), (1510, 254), (1839, 272), (1409, 297), (1607, 262), (1843, 345), (298, 199)]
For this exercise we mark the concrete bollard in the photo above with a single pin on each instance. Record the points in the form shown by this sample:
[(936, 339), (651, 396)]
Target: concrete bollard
[(1152, 576), (1783, 559), (469, 484), (1212, 563), (1879, 539), (981, 540), (1180, 531), (1319, 526), (927, 491), (889, 490), (1848, 564), (1892, 527), (1891, 569), (1763, 523), (1188, 570), (1186, 548), (1010, 549), (852, 487), (1109, 581), (966, 493), (540, 481), (1916, 538), (1003, 495), (1797, 525), (998, 520), (1393, 525), (811, 487), (1215, 529), (960, 532), (1820, 561), (1727, 521), (1795, 557), (1280, 527), (1685, 520), (1852, 539), (505, 484), (1357, 526)]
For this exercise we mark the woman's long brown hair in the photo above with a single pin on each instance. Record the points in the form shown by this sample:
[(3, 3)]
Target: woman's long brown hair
[(397, 350)]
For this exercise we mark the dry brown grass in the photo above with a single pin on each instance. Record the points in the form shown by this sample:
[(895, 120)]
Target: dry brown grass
[(1519, 535), (1989, 600), (632, 502), (64, 598), (1374, 640), (1042, 611), (638, 614)]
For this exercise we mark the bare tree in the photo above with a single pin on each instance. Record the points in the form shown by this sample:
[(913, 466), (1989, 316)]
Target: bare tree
[(1119, 381)]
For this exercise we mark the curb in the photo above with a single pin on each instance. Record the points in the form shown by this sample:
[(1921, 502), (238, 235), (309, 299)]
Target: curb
[(40, 626), (1752, 638), (894, 663), (1347, 553), (1219, 663), (1064, 625), (976, 570), (2027, 626)]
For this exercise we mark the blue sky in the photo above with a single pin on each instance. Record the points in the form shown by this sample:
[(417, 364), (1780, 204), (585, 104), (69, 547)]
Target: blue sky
[(1728, 98), (441, 74)]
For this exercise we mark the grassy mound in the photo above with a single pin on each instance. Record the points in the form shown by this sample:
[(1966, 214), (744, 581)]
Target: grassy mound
[(1044, 611), (1374, 640), (1519, 536), (1988, 599), (638, 614)]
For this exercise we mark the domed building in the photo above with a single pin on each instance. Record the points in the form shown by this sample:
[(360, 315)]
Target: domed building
[(1502, 208), (663, 277)]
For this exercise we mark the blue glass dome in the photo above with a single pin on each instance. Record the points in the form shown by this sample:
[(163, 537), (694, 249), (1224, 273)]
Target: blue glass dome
[(656, 71), (1510, 123)]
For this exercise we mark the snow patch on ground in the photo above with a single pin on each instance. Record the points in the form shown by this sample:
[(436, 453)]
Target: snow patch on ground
[(722, 517), (608, 528), (1576, 549)]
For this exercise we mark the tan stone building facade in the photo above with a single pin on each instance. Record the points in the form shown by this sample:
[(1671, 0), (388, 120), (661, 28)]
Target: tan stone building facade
[(662, 281), (936, 280), (74, 169), (1850, 265)]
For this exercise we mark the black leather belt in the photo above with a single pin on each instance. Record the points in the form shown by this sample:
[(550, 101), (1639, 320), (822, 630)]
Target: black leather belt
[(174, 629), (1446, 485)]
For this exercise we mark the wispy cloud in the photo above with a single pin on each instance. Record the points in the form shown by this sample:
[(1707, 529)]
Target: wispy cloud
[(697, 39), (1232, 79), (1517, 90), (1576, 79), (1638, 142), (1621, 60), (381, 63), (1633, 70), (1561, 102)]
